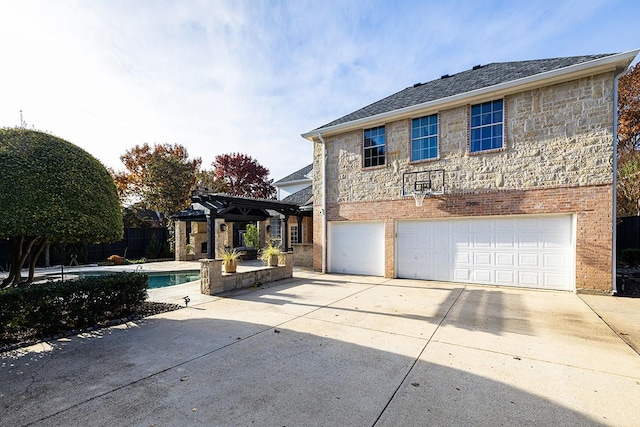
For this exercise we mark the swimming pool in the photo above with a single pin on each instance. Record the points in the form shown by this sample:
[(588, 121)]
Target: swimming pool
[(156, 280)]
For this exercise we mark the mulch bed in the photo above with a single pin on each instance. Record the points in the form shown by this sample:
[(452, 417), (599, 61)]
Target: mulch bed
[(21, 339)]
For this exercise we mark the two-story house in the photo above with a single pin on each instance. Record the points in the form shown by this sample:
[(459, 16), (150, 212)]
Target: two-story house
[(502, 175)]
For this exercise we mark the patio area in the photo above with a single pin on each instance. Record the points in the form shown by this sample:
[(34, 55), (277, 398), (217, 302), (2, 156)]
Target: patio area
[(341, 350), (171, 294)]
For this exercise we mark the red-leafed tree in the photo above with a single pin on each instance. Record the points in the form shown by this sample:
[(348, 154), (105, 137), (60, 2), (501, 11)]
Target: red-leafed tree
[(628, 185), (243, 176), (629, 109)]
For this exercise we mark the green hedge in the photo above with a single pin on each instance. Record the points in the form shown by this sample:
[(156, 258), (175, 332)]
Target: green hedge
[(51, 308), (631, 256)]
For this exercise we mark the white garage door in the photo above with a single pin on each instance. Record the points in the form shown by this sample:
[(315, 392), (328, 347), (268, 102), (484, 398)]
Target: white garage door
[(356, 248), (526, 251)]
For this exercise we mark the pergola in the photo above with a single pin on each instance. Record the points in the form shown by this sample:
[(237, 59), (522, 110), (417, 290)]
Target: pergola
[(209, 207)]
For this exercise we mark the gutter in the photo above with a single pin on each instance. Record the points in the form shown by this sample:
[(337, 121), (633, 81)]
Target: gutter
[(614, 214), (324, 203)]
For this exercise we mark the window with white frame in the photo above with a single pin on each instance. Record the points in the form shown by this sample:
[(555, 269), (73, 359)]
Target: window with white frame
[(374, 147), (294, 234), (275, 229), (424, 138), (486, 126)]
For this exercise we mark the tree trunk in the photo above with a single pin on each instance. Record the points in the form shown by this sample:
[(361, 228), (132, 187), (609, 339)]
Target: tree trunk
[(34, 259), (19, 253), (15, 244)]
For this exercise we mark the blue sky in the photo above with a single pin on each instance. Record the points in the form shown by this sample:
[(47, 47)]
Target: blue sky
[(251, 76)]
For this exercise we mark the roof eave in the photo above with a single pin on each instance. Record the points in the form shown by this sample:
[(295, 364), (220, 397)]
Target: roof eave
[(297, 181), (597, 66)]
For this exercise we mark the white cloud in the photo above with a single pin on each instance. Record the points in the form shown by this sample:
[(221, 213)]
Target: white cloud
[(251, 76)]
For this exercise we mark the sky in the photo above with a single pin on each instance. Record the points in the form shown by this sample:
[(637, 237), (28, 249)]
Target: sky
[(251, 76)]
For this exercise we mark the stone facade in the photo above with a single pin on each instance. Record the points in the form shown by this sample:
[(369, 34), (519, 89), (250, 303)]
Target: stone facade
[(557, 157), (560, 135)]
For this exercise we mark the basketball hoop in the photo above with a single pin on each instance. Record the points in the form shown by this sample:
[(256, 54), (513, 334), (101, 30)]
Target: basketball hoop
[(418, 197)]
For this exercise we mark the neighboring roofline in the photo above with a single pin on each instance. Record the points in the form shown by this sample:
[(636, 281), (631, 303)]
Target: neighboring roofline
[(560, 75), (298, 181), (285, 180)]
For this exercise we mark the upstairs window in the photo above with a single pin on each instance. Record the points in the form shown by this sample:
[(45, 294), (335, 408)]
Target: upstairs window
[(374, 147), (424, 138), (487, 126)]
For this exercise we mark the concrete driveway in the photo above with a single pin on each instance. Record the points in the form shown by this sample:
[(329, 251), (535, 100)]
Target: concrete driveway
[(329, 350)]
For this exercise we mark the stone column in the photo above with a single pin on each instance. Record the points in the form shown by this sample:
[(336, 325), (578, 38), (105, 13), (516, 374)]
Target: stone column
[(181, 241), (211, 276), (288, 263)]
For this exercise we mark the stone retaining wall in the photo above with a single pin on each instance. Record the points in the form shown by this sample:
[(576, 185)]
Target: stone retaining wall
[(303, 254), (214, 281)]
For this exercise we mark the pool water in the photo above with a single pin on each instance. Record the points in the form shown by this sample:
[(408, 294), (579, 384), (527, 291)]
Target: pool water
[(162, 280), (158, 280)]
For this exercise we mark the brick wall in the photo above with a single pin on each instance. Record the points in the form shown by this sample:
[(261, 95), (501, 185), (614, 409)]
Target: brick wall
[(592, 205)]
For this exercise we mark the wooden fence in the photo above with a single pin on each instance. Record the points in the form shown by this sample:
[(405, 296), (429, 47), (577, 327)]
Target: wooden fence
[(628, 233), (138, 243)]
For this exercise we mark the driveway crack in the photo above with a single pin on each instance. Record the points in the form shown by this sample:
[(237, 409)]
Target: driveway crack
[(415, 361)]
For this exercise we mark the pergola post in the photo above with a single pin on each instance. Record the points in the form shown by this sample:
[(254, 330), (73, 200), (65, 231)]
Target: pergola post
[(285, 234), (211, 235), (299, 228)]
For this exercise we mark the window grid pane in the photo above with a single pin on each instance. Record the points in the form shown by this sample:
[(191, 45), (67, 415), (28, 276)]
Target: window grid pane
[(374, 147), (424, 138), (486, 126)]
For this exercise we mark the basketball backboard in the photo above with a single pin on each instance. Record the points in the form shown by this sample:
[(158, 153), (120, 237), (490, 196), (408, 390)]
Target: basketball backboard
[(426, 182)]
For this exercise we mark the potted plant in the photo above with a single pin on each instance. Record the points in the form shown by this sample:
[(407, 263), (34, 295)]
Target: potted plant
[(230, 260), (271, 255), (189, 252)]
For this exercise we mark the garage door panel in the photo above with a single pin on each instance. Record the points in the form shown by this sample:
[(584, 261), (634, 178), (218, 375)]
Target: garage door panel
[(554, 261), (505, 277), (482, 240), (462, 241), (462, 257), (461, 274), (529, 279), (528, 240), (516, 251), (505, 259), (529, 260), (554, 280), (504, 240), (482, 258), (482, 276)]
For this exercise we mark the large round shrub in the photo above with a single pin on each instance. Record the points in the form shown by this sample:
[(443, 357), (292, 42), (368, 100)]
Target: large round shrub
[(52, 191)]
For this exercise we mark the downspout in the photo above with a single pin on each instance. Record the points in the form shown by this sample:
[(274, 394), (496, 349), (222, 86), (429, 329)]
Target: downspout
[(324, 203), (614, 214)]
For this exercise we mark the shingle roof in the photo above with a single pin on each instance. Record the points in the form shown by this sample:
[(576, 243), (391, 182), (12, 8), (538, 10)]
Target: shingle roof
[(301, 197), (477, 78), (296, 176)]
